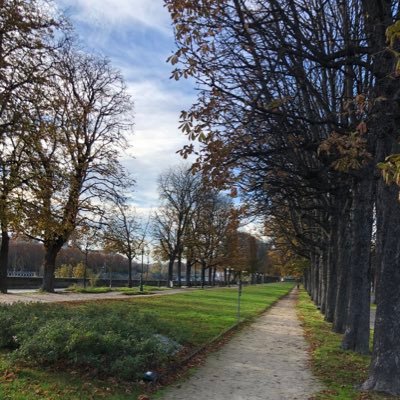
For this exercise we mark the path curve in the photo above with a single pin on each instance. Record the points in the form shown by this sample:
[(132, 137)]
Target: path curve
[(267, 360)]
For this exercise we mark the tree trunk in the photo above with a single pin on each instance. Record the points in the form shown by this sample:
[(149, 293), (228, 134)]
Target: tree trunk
[(129, 272), (343, 267), (188, 273), (385, 366), (323, 279), (356, 336), (203, 274), (312, 272), (306, 274), (214, 275), (52, 251), (5, 244), (315, 292), (179, 270), (170, 277), (210, 276), (331, 276)]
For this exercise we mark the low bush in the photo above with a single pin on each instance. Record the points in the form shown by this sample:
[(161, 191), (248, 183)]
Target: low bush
[(121, 343), (89, 289)]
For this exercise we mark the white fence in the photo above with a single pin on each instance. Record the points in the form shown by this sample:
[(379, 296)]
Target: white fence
[(21, 274)]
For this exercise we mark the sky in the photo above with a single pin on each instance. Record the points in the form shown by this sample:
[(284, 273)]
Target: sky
[(137, 36)]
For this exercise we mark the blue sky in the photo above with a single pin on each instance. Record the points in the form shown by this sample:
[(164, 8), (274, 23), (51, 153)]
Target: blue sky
[(137, 36)]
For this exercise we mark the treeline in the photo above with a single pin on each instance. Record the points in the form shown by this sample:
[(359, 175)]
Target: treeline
[(199, 225), (298, 107), (63, 116), (28, 256)]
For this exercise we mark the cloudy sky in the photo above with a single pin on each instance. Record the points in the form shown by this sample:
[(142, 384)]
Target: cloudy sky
[(137, 36)]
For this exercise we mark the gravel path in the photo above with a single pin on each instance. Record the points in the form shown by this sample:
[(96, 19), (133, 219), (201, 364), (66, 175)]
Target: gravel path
[(60, 297), (267, 360)]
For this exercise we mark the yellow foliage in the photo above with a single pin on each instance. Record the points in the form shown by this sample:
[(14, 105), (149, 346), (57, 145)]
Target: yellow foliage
[(79, 270), (350, 150), (390, 169), (64, 271), (393, 33)]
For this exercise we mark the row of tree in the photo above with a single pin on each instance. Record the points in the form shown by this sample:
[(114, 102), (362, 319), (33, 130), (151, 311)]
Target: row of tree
[(199, 224), (63, 115), (27, 257), (298, 106)]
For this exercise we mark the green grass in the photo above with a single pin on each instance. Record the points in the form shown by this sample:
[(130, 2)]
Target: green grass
[(203, 314), (34, 384), (340, 371), (191, 318)]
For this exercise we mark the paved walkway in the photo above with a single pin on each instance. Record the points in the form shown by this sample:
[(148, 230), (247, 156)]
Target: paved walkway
[(266, 361)]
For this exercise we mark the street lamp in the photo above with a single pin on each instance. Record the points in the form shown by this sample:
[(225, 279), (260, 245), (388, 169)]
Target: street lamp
[(238, 300), (144, 250), (141, 272)]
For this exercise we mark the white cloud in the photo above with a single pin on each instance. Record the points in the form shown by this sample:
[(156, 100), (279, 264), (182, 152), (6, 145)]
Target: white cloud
[(107, 14), (156, 137), (136, 35)]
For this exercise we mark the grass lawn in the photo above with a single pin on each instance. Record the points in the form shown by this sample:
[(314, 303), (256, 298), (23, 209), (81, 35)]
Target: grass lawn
[(191, 318), (340, 371)]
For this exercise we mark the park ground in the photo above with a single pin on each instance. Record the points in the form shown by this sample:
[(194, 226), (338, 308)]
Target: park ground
[(192, 318)]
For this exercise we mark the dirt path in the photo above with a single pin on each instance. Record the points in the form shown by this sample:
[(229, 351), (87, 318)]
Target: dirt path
[(267, 360), (65, 296), (60, 297)]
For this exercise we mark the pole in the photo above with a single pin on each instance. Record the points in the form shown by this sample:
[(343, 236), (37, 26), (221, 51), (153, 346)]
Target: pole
[(141, 274), (85, 269), (239, 296)]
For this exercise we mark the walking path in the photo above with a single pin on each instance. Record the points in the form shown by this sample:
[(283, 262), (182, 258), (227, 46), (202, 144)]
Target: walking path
[(266, 361), (63, 296)]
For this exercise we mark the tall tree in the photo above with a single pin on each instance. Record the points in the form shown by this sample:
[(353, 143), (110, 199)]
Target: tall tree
[(125, 233), (80, 123), (27, 31), (213, 221), (313, 80), (179, 191)]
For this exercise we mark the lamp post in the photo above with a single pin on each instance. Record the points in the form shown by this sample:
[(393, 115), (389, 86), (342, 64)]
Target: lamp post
[(86, 266), (110, 275), (141, 272), (238, 300)]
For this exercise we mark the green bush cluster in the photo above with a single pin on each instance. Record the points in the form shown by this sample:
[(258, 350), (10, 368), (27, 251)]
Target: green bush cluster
[(122, 342)]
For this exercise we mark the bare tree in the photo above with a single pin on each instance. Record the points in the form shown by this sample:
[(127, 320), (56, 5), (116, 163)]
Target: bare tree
[(86, 239), (212, 224), (125, 233), (179, 194)]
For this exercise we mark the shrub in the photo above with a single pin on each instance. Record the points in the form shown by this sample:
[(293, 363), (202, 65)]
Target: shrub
[(123, 342)]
